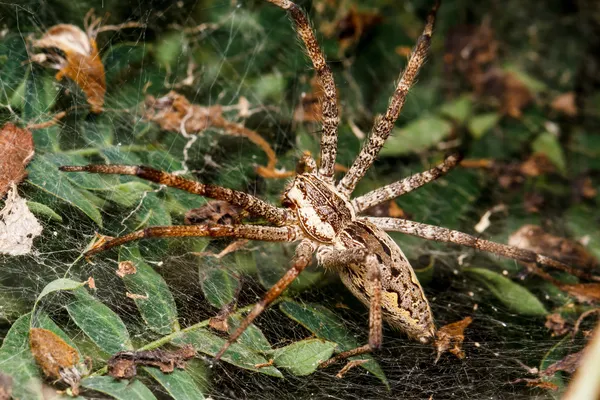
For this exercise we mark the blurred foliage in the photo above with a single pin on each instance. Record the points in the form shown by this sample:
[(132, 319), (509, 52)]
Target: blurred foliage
[(507, 83)]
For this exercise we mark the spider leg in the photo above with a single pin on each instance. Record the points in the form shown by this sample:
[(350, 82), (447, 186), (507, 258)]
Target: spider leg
[(405, 185), (252, 232), (329, 106), (301, 260), (337, 258), (383, 125), (252, 204), (439, 234)]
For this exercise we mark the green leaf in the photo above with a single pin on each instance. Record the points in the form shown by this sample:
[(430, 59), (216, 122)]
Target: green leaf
[(303, 357), (237, 354), (17, 361), (325, 324), (482, 123), (252, 336), (43, 210), (158, 310), (548, 144), (40, 95), (179, 384), (59, 285), (219, 286), (44, 174), (416, 136), (514, 296), (126, 194), (119, 389), (99, 323), (458, 109)]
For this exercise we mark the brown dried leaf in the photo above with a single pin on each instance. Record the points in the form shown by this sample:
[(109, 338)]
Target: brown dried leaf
[(515, 97), (75, 55), (219, 323), (51, 352), (215, 212), (568, 364), (350, 28), (16, 148), (534, 238), (57, 359), (174, 112), (537, 164), (123, 365), (557, 324), (450, 338), (126, 268), (565, 103), (583, 292)]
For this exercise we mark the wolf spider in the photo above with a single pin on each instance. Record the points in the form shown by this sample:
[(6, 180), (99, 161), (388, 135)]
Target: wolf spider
[(320, 213)]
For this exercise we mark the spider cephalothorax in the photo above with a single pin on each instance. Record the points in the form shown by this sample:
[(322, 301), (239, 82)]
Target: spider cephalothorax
[(320, 214)]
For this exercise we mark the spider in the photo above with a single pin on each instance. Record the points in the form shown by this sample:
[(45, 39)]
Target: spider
[(320, 214)]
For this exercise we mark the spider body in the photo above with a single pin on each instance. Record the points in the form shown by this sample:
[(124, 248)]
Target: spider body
[(403, 301), (326, 220)]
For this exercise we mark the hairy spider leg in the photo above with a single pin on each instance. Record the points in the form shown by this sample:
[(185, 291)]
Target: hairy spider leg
[(405, 185), (251, 232), (384, 124), (329, 106), (302, 258), (252, 204), (336, 259), (439, 234)]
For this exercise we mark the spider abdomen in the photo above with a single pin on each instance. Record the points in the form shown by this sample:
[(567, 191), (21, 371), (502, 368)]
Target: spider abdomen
[(403, 301)]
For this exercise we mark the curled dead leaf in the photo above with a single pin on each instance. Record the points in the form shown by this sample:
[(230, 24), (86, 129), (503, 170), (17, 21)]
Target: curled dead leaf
[(126, 268), (123, 365), (57, 359), (557, 324), (75, 54), (17, 149), (174, 112), (216, 212), (534, 238), (449, 338)]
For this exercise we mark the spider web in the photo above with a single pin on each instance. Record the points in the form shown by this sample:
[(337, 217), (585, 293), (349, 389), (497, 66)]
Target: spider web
[(248, 50)]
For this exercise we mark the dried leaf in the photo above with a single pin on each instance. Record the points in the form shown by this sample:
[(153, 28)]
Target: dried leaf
[(557, 324), (534, 238), (77, 58), (123, 365), (538, 383), (351, 27), (174, 112), (57, 359), (568, 364), (450, 338), (216, 212), (565, 103), (515, 97), (583, 292), (18, 226), (16, 148), (537, 164), (126, 268)]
